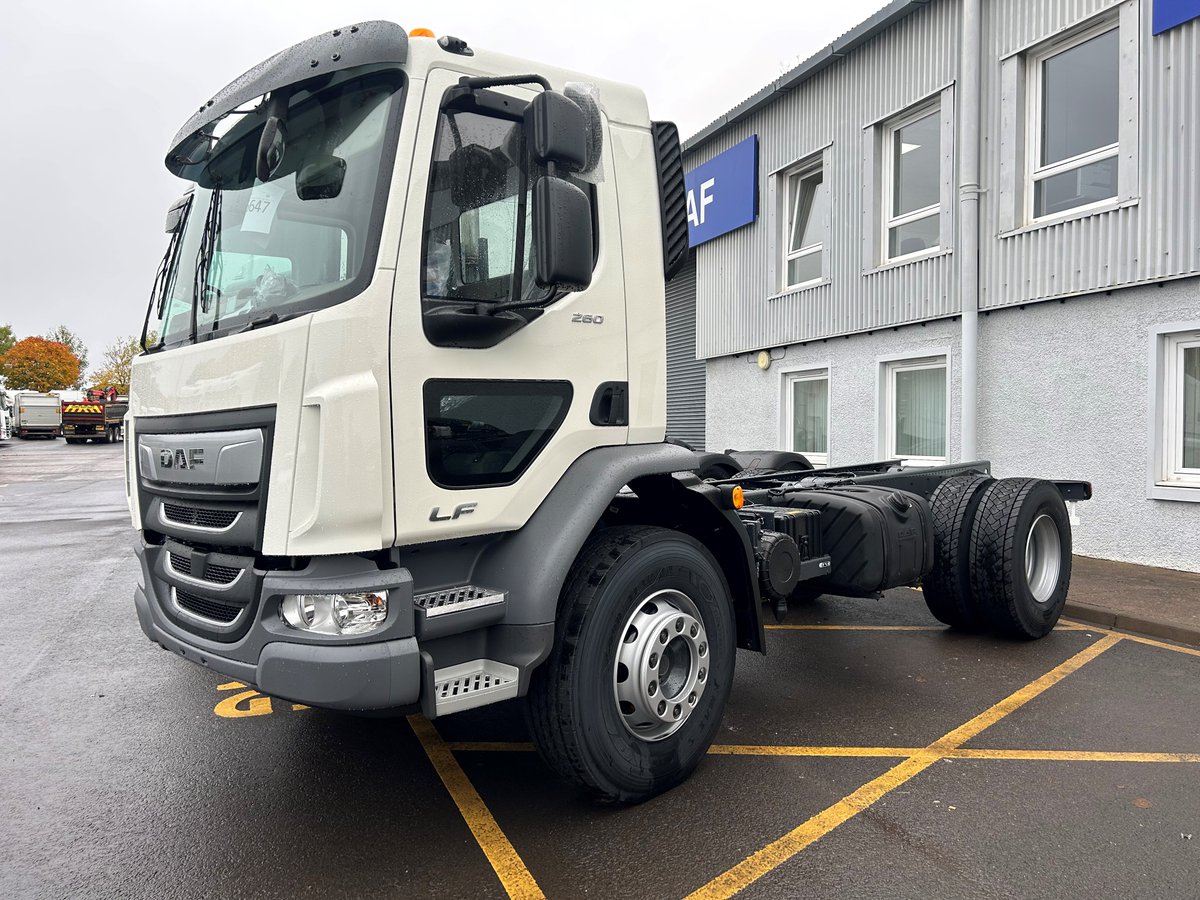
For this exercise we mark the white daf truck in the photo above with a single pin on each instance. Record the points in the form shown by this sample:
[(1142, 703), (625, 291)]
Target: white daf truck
[(397, 442)]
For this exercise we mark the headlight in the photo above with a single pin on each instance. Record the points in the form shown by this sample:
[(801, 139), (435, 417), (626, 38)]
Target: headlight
[(335, 613)]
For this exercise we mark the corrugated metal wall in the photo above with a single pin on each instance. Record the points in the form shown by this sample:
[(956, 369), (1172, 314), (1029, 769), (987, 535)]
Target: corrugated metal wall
[(1155, 235), (685, 373), (912, 61)]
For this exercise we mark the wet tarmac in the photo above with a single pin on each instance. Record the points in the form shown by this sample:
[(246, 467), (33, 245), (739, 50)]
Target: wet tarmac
[(871, 753)]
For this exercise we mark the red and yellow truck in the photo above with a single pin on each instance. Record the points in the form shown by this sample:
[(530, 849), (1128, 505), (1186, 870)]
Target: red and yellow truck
[(98, 417)]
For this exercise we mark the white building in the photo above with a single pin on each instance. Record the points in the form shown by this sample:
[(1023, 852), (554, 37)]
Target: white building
[(966, 229)]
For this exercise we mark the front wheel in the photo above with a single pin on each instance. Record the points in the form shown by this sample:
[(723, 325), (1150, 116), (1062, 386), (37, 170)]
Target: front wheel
[(632, 693)]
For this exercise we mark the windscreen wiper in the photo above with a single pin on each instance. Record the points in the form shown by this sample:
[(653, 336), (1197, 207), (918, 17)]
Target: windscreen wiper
[(205, 255), (168, 269)]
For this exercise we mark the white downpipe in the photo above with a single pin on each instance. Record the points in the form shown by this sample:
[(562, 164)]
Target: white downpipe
[(968, 221)]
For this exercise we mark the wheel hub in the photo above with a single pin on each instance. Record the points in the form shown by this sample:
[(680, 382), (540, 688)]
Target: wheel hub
[(1043, 558), (661, 667)]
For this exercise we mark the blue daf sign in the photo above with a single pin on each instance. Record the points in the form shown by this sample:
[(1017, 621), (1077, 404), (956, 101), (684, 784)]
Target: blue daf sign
[(1169, 13), (722, 194)]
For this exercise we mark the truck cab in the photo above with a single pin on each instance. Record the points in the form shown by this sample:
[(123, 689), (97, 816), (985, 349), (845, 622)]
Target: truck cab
[(397, 438)]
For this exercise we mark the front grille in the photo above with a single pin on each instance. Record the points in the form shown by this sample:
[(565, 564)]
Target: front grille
[(221, 574), (206, 607), (214, 574), (202, 518)]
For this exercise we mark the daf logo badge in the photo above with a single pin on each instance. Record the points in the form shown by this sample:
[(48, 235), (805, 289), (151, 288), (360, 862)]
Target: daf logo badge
[(180, 458)]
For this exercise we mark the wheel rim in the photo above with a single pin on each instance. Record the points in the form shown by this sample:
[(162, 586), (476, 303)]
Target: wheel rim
[(661, 666), (1043, 558)]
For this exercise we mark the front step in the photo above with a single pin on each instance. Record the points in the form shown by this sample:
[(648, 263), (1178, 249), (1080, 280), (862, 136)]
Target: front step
[(456, 610), (471, 684)]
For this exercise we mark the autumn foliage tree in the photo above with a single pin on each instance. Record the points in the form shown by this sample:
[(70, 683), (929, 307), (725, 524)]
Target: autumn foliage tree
[(118, 358), (39, 365)]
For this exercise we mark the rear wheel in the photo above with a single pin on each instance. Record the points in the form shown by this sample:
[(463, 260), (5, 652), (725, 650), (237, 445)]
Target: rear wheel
[(1021, 557), (632, 693), (947, 589)]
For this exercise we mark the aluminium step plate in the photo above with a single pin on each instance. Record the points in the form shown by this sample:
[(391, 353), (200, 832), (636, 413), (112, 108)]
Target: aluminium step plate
[(459, 599), (474, 683)]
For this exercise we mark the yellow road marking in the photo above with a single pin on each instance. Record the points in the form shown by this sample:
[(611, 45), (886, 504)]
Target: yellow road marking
[(230, 686), (1075, 756), (1136, 638), (504, 859), (781, 850), (879, 752), (855, 627)]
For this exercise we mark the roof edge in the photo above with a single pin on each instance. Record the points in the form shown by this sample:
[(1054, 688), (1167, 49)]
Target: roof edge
[(822, 59)]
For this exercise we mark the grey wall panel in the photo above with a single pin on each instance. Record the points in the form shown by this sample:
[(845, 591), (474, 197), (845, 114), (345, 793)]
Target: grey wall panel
[(685, 373), (1156, 235), (737, 310), (1076, 408)]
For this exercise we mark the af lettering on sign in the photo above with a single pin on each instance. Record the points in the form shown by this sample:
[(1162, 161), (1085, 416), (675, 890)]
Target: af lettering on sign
[(722, 194)]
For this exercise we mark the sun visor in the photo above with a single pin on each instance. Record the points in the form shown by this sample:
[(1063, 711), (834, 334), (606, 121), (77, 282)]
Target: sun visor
[(363, 44)]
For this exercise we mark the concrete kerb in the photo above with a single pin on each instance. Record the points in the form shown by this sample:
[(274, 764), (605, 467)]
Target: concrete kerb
[(1119, 621)]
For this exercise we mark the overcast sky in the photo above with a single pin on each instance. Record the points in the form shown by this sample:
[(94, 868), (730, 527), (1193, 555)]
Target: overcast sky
[(95, 90)]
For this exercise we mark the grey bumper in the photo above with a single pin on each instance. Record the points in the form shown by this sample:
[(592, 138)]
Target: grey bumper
[(334, 673)]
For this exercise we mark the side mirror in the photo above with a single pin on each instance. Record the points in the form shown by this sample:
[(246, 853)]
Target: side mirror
[(557, 132), (321, 180), (175, 214), (562, 229)]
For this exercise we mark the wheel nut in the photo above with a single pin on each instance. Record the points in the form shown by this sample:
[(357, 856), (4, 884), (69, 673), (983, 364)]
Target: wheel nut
[(700, 675), (692, 698), (695, 628), (676, 712), (652, 689), (662, 707), (653, 660), (703, 648), (679, 624), (662, 637)]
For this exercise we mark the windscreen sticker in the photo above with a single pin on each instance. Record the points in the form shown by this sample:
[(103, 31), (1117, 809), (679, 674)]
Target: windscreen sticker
[(261, 208)]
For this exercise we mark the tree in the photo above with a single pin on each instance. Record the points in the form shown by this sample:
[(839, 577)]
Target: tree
[(7, 339), (39, 365), (118, 358), (64, 335)]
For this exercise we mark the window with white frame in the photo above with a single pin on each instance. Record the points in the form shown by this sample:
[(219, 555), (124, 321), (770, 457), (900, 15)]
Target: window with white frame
[(806, 414), (915, 410), (1074, 101), (804, 227), (912, 184), (1180, 401)]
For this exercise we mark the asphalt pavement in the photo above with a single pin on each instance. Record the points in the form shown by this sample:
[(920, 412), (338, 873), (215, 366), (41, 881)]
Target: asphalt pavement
[(871, 753)]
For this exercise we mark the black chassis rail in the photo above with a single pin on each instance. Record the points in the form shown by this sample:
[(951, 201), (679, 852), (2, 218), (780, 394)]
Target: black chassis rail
[(886, 473)]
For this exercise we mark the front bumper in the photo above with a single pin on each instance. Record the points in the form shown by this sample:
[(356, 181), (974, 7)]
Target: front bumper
[(381, 670)]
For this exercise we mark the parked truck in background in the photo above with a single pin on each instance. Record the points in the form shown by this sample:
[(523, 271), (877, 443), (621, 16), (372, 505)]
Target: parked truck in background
[(6, 415), (98, 417), (398, 440), (36, 415)]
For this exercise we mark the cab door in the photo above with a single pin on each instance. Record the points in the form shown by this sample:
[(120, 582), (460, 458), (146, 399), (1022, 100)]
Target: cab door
[(499, 383)]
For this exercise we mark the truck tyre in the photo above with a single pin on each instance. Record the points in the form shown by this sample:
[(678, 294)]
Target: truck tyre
[(631, 696), (1021, 557), (947, 588), (74, 441)]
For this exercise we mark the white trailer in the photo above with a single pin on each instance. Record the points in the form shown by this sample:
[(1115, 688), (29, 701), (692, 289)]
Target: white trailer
[(37, 415)]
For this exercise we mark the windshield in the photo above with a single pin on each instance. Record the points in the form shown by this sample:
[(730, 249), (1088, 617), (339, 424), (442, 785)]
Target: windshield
[(252, 252)]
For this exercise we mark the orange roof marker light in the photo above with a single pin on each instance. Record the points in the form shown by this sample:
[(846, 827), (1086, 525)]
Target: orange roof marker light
[(422, 32)]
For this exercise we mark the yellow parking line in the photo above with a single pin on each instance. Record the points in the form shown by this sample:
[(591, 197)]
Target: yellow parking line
[(490, 746), (1136, 638), (1075, 756), (769, 750), (504, 859), (855, 627), (781, 850)]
